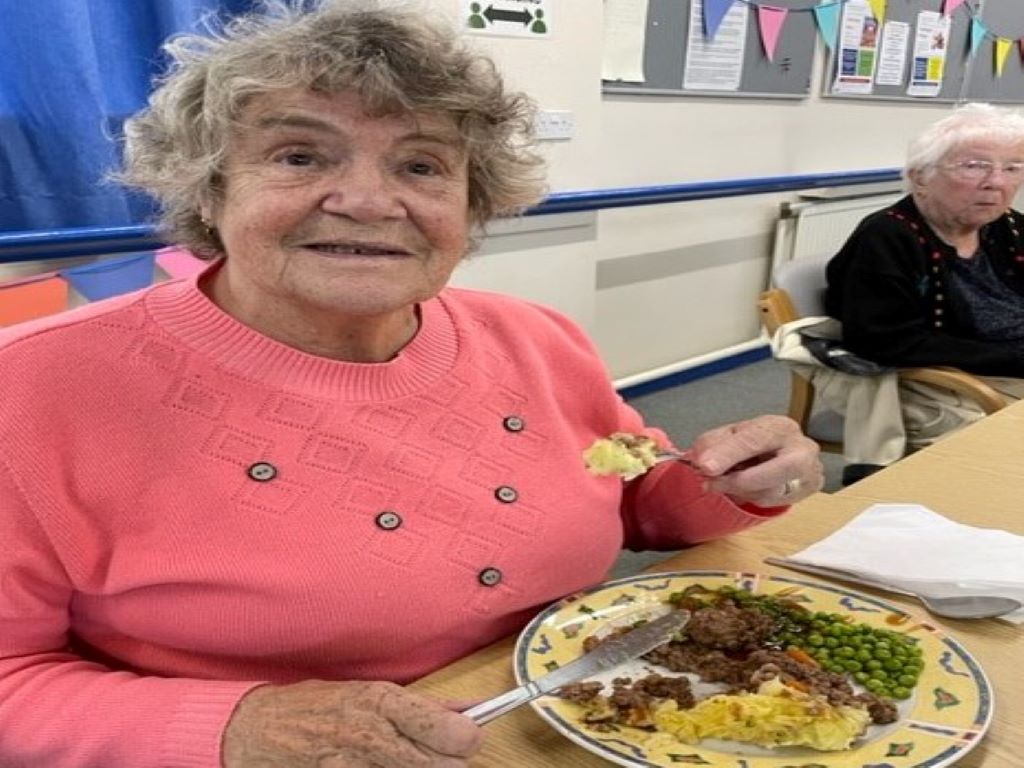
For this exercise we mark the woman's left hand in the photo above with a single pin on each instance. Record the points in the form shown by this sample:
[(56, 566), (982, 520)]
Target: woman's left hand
[(765, 461)]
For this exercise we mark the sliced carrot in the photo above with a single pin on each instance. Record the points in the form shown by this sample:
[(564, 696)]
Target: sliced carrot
[(798, 654)]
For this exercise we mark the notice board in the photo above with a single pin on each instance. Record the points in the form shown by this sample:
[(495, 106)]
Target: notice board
[(666, 43), (968, 71)]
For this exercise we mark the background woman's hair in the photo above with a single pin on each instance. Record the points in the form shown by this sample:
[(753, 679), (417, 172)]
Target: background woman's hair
[(971, 122), (396, 58)]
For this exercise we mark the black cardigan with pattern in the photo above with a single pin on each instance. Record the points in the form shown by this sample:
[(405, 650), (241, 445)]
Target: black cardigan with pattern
[(888, 287)]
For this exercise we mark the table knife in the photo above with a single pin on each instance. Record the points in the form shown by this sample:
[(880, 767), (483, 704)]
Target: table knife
[(609, 654)]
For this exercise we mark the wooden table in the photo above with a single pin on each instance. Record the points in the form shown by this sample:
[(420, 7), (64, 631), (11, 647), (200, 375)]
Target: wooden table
[(975, 477)]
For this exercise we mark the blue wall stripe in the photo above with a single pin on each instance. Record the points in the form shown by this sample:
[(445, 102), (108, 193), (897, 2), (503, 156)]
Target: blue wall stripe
[(88, 241), (697, 372)]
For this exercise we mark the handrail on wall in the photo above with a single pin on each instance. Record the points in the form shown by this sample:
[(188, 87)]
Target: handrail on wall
[(88, 241)]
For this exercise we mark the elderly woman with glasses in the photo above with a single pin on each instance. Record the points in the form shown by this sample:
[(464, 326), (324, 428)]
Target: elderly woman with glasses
[(937, 279)]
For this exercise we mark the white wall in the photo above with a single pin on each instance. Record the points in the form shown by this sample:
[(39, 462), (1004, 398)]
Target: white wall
[(684, 277), (659, 287)]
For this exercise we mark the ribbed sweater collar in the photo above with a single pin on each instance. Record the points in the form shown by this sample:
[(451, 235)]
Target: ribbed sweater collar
[(183, 311)]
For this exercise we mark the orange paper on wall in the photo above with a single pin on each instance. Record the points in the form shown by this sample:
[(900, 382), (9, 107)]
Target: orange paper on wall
[(24, 300)]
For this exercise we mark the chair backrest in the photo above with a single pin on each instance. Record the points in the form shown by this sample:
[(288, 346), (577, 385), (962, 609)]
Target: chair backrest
[(803, 280), (799, 291)]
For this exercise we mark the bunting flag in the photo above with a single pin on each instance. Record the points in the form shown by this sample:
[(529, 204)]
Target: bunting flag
[(177, 262), (1001, 50), (827, 17), (111, 277), (770, 20), (30, 297), (714, 12), (978, 33), (878, 10), (951, 5)]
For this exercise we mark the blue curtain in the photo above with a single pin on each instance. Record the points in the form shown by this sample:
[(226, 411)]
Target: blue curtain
[(71, 71)]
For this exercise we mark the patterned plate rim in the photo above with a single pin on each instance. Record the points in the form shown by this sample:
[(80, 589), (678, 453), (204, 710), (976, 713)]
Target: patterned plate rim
[(985, 693)]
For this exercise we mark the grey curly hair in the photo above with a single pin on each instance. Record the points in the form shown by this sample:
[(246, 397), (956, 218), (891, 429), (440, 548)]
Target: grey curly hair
[(394, 57)]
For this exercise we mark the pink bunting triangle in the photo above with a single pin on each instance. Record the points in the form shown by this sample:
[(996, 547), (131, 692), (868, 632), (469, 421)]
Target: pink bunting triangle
[(951, 5), (770, 19)]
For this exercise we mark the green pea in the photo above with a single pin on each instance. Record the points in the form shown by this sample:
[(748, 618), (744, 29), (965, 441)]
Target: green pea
[(861, 677), (907, 681), (892, 665), (832, 642), (873, 664), (878, 674), (901, 692), (815, 640), (852, 666), (882, 653)]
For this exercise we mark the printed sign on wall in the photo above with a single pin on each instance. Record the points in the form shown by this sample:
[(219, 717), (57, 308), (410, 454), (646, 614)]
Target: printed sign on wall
[(515, 18)]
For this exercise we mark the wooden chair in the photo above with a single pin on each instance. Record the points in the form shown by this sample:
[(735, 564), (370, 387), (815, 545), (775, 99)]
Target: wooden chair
[(799, 292)]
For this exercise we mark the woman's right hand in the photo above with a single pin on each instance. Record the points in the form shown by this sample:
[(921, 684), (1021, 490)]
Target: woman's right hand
[(318, 724)]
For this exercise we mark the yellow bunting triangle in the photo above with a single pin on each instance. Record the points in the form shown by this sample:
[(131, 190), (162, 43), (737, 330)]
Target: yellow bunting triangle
[(1001, 50), (878, 9)]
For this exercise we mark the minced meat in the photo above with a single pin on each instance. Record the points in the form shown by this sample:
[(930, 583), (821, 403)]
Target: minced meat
[(728, 627)]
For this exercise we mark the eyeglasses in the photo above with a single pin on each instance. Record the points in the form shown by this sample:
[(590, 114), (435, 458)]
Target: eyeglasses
[(976, 170)]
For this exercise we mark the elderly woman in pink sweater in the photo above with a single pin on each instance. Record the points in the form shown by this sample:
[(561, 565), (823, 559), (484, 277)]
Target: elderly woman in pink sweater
[(240, 511)]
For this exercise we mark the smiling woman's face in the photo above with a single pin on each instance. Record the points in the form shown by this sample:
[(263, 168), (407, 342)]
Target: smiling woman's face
[(328, 214), (954, 203)]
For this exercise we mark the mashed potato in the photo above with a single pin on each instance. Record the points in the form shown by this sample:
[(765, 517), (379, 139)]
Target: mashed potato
[(621, 454), (775, 716)]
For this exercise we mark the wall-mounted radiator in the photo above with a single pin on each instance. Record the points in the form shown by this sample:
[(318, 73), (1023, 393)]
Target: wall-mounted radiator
[(818, 227)]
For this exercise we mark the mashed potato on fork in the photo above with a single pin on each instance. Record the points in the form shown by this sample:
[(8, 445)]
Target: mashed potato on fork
[(621, 453)]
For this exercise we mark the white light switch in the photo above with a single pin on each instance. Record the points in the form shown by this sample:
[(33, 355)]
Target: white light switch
[(555, 124)]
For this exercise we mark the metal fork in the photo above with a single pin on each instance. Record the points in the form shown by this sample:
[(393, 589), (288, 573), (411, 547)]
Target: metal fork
[(666, 455), (661, 457)]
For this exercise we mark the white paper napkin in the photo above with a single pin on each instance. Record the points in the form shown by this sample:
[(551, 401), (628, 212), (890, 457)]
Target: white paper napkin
[(912, 543)]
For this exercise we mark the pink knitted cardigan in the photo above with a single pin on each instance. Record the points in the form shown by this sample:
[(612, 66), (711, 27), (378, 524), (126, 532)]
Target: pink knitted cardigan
[(189, 508)]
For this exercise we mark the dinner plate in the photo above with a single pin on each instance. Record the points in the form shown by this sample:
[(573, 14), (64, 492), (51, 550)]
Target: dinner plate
[(950, 710)]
